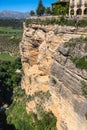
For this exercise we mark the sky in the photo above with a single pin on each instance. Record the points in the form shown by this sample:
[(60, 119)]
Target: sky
[(22, 5)]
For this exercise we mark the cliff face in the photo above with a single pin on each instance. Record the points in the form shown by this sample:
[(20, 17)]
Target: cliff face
[(51, 80)]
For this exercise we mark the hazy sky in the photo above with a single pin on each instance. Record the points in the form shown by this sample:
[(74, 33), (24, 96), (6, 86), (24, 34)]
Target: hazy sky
[(22, 5)]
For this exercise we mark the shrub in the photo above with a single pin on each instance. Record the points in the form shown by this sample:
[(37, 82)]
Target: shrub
[(80, 63), (42, 95), (83, 23), (17, 115), (60, 21), (84, 89), (27, 22), (53, 81)]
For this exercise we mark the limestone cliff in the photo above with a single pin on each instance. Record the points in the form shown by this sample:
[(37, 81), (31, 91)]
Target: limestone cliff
[(51, 80)]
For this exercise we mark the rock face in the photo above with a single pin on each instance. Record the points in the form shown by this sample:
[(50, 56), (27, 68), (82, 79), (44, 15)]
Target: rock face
[(50, 76)]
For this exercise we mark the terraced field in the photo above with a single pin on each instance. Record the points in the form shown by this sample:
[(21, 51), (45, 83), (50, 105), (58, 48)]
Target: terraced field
[(7, 57), (10, 39)]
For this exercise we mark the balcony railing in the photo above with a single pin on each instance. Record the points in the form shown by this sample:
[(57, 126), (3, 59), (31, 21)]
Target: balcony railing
[(72, 5)]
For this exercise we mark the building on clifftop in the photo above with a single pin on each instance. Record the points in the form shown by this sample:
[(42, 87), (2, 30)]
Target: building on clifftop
[(78, 8), (71, 7), (60, 7)]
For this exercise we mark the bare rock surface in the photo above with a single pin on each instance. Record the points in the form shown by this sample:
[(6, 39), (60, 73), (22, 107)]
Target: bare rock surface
[(49, 71)]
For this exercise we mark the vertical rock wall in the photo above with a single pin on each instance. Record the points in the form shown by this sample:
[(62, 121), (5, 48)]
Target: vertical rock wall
[(50, 78)]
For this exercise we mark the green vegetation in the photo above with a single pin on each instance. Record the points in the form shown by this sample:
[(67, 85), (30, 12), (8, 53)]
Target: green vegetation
[(10, 31), (61, 9), (70, 43), (48, 10), (53, 81), (14, 23), (80, 63), (82, 23), (17, 115), (59, 21), (42, 95), (8, 79), (84, 89), (40, 9), (32, 13), (11, 94), (10, 35), (73, 42), (7, 57), (10, 39)]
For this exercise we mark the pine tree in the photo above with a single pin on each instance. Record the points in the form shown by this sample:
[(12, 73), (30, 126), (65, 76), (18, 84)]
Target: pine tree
[(40, 9)]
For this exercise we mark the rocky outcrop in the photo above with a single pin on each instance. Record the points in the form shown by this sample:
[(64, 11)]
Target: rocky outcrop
[(51, 80)]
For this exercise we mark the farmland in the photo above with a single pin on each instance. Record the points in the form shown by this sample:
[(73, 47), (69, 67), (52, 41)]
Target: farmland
[(10, 39)]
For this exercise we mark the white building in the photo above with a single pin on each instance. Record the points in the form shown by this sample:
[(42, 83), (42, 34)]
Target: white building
[(78, 8)]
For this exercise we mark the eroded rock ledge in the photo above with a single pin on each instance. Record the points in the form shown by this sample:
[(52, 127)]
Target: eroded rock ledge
[(49, 71)]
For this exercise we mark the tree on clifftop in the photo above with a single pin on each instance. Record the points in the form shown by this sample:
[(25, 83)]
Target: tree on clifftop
[(32, 13), (48, 10), (40, 9)]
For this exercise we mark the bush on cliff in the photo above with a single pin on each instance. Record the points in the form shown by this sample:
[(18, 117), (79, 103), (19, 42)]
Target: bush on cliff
[(59, 21), (17, 115), (84, 89), (79, 62)]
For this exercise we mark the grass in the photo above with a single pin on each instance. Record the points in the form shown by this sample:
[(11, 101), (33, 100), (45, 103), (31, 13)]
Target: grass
[(9, 30), (17, 115), (7, 57)]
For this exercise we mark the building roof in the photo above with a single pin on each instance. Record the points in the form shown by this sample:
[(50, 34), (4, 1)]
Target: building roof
[(61, 1)]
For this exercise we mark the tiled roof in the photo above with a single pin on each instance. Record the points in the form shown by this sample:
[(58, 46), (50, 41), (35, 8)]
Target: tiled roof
[(66, 1)]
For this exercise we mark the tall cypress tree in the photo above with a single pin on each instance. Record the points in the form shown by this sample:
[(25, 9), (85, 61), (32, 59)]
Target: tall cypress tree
[(40, 9)]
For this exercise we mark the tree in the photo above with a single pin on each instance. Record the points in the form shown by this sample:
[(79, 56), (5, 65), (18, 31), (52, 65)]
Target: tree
[(40, 9), (61, 9), (48, 10), (9, 79), (32, 13)]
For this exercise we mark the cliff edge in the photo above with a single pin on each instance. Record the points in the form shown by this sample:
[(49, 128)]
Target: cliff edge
[(52, 79)]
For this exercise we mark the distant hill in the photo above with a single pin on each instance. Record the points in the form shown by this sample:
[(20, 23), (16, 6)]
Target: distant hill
[(13, 15)]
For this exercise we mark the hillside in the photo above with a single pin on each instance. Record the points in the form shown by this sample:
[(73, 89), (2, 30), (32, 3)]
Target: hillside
[(6, 14)]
